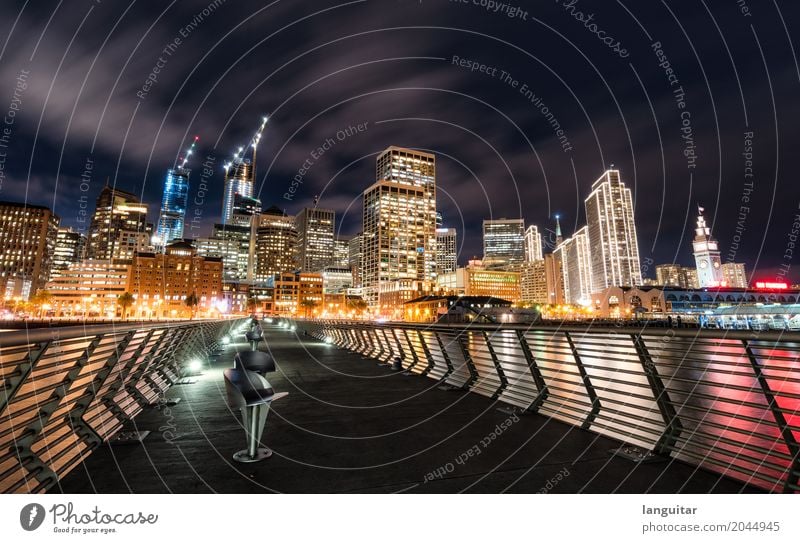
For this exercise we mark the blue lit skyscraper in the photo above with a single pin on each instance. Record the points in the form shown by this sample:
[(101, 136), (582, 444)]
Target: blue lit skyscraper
[(173, 206), (175, 201)]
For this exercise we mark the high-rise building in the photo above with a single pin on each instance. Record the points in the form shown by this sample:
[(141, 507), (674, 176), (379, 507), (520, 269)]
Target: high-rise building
[(612, 233), (276, 244), (399, 221), (231, 243), (70, 247), (315, 234), (533, 244), (669, 275), (355, 259), (161, 283), (341, 252), (244, 209), (706, 254), (28, 236), (503, 243), (533, 282), (238, 180), (689, 277), (554, 277), (734, 275), (576, 269), (173, 206), (446, 250), (119, 227)]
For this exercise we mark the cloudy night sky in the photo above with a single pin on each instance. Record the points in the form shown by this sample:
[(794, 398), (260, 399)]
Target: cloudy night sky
[(74, 88)]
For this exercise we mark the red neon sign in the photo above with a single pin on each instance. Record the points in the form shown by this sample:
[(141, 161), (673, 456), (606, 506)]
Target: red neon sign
[(772, 285)]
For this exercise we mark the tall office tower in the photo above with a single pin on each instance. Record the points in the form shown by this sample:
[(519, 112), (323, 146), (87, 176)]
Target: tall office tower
[(238, 180), (70, 246), (341, 252), (355, 259), (446, 250), (576, 269), (734, 274), (689, 277), (276, 244), (706, 254), (669, 275), (503, 243), (399, 221), (533, 244), (315, 227), (27, 242), (554, 277), (173, 206), (244, 209), (119, 227), (612, 233)]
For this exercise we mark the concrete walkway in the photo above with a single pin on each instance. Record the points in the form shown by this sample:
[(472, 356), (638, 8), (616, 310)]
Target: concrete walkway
[(349, 425)]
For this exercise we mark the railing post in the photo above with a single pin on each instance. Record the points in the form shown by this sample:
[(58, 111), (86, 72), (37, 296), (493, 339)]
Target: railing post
[(792, 478), (12, 383), (536, 374), (427, 352), (586, 383), (473, 373), (414, 356), (672, 424), (498, 368), (445, 356)]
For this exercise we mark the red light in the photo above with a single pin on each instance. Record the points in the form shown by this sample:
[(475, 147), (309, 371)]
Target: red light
[(771, 285)]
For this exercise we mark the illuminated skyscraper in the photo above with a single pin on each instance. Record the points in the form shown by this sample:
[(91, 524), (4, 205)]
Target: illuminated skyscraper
[(341, 252), (238, 180), (27, 243), (400, 222), (576, 268), (355, 259), (503, 243), (612, 233), (533, 244), (173, 206), (70, 246), (119, 227), (315, 227), (446, 250), (706, 254), (276, 244)]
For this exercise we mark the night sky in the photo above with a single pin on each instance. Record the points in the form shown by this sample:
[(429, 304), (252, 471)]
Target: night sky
[(74, 75)]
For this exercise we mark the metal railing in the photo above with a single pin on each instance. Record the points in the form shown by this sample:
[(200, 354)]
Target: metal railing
[(727, 401), (65, 391)]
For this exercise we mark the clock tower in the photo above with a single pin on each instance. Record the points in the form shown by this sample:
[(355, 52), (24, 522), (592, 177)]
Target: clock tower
[(706, 254)]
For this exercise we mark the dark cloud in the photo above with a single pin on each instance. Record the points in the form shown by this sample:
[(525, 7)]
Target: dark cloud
[(321, 67)]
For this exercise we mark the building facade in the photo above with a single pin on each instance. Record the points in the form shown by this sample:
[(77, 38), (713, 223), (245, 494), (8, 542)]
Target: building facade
[(446, 250), (503, 243), (276, 244), (477, 280), (70, 247), (119, 227), (355, 257), (533, 244), (734, 274), (533, 282), (611, 233), (89, 288), (174, 202), (576, 268), (28, 236), (238, 180), (315, 238), (399, 221), (161, 283)]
